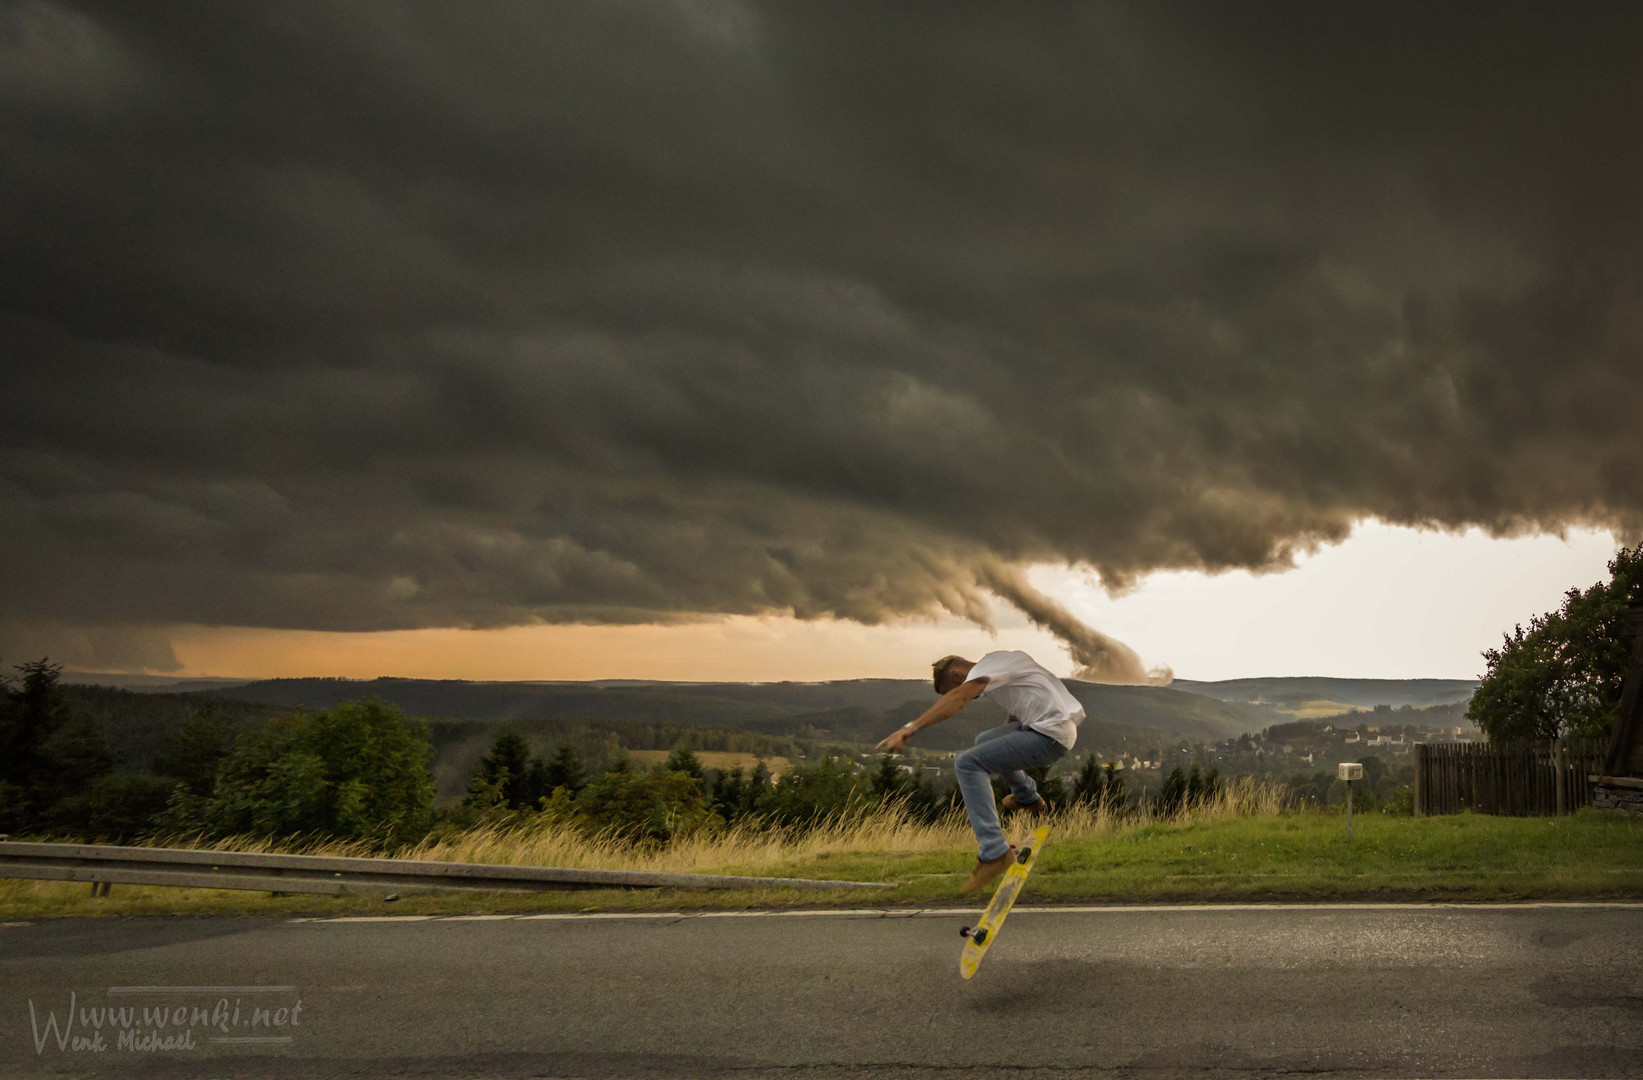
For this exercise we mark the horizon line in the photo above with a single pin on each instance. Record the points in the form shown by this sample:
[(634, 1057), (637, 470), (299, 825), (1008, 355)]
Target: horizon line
[(82, 674)]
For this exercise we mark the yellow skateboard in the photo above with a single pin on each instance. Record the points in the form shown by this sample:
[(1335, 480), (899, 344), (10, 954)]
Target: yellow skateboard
[(980, 937)]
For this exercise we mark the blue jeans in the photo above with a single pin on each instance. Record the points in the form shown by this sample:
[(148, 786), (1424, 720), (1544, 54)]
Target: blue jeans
[(1007, 751)]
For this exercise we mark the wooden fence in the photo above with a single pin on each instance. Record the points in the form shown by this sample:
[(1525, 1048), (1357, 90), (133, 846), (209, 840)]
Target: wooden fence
[(1516, 778)]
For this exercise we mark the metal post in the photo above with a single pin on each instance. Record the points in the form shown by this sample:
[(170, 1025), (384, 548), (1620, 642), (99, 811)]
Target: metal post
[(1349, 771), (1560, 769)]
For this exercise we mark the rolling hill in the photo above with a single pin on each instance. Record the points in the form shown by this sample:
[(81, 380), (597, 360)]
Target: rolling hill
[(858, 710), (1289, 694), (601, 718)]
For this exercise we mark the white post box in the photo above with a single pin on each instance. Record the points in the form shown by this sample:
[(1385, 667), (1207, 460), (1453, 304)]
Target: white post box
[(1349, 771)]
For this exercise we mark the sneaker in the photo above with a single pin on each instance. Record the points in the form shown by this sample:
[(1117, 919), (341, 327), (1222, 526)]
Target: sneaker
[(987, 871), (1042, 806)]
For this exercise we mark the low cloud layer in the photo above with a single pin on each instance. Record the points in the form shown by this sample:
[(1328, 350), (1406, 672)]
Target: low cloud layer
[(359, 317)]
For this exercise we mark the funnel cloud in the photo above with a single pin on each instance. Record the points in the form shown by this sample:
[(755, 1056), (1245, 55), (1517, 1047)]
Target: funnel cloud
[(1100, 658), (356, 317)]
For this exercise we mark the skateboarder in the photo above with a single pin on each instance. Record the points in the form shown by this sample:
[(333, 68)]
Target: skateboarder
[(1042, 727)]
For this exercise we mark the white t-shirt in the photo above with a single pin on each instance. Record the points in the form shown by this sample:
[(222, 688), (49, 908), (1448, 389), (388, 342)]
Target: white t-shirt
[(1030, 694)]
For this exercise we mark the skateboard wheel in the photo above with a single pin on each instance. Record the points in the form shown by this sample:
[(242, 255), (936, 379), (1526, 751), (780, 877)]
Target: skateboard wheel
[(964, 931), (1025, 854)]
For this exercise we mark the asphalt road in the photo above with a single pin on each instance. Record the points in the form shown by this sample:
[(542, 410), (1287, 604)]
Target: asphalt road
[(1160, 992)]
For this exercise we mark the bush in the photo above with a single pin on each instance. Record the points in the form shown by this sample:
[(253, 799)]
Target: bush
[(642, 807), (112, 808), (805, 795), (1366, 801), (358, 771), (192, 754)]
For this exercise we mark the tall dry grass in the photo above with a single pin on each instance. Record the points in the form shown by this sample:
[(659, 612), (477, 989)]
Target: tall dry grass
[(749, 847)]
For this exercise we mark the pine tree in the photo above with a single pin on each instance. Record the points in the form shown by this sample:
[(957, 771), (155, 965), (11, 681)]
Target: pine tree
[(922, 799), (758, 786), (1113, 795), (730, 794), (1089, 786), (684, 761), (34, 711), (887, 778), (565, 770), (502, 777), (1172, 795), (537, 785)]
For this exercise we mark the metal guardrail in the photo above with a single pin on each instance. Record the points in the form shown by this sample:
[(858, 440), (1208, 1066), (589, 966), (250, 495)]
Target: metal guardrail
[(104, 864)]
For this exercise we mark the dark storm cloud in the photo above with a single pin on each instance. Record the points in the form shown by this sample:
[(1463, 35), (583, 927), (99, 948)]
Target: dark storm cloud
[(370, 316)]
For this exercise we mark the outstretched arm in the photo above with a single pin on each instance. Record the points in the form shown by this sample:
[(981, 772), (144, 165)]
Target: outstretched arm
[(947, 705)]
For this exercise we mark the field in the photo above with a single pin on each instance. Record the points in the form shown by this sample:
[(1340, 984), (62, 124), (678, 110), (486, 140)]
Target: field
[(717, 759), (1315, 710), (1241, 849)]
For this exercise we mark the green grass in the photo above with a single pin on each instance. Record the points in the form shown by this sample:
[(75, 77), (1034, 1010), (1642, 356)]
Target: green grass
[(1308, 857), (1591, 855)]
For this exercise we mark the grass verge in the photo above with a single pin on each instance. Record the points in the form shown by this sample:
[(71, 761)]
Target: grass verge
[(1242, 849)]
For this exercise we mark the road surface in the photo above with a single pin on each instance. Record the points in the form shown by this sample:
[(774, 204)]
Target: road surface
[(1371, 991)]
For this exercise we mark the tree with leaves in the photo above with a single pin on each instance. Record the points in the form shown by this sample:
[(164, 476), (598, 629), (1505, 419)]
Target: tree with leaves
[(643, 807), (1562, 676), (804, 795), (194, 751), (356, 771)]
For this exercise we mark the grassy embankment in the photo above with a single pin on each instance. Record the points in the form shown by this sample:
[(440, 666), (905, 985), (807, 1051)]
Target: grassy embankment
[(1244, 848)]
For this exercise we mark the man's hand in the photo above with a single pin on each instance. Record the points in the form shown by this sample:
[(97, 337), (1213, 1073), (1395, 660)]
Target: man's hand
[(897, 739), (946, 706)]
